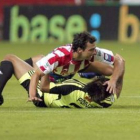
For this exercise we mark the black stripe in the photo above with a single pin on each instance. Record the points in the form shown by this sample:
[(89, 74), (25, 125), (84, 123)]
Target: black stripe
[(75, 105)]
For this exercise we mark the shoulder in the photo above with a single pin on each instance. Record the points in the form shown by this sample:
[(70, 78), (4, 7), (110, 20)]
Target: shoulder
[(63, 50), (104, 55), (103, 51)]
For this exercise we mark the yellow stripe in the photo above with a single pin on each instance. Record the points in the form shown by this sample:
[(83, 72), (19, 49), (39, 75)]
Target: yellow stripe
[(26, 76), (52, 85)]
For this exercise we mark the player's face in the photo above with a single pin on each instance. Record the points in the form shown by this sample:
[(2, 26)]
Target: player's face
[(89, 51)]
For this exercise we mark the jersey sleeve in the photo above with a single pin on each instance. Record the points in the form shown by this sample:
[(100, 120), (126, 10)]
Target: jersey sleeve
[(104, 55), (48, 63)]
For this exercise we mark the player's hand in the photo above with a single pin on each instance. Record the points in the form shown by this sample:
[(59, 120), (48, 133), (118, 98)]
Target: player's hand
[(32, 99), (111, 86)]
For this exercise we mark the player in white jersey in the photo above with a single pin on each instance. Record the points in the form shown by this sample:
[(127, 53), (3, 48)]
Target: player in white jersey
[(59, 64), (102, 55), (76, 57)]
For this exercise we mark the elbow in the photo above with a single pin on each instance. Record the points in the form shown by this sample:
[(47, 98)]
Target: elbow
[(120, 59), (121, 62), (44, 89)]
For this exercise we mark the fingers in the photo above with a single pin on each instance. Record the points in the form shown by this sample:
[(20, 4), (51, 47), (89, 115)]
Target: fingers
[(105, 83), (31, 99), (111, 88)]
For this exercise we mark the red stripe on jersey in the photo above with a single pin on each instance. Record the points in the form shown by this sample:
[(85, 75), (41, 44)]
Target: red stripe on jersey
[(53, 60), (112, 58), (63, 60), (65, 51), (42, 68)]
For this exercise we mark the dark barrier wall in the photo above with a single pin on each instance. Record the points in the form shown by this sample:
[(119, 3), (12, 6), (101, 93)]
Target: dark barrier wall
[(50, 23)]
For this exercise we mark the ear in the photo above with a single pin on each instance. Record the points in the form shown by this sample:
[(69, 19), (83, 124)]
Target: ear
[(79, 50)]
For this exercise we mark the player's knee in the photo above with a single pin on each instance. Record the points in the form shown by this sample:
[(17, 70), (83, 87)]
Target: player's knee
[(9, 57), (36, 58)]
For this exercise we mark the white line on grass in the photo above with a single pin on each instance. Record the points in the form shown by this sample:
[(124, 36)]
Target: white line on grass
[(17, 98)]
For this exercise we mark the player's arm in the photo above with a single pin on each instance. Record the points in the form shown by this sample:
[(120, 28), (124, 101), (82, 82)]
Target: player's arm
[(120, 79), (117, 76), (100, 68), (119, 86), (33, 85), (46, 65), (45, 83), (116, 61)]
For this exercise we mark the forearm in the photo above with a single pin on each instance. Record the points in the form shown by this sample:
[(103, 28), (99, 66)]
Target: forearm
[(120, 79), (33, 85), (119, 68), (100, 68), (119, 86), (118, 72)]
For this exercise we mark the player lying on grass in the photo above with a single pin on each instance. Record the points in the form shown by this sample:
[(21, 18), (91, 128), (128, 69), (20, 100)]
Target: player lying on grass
[(71, 93), (81, 56)]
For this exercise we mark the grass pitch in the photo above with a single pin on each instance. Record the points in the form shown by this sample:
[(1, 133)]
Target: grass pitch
[(21, 120)]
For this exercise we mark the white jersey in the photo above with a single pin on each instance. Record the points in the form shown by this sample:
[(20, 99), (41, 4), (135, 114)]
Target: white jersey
[(104, 55), (60, 61)]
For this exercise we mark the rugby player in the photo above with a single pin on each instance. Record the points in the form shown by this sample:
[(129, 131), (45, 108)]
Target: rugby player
[(69, 94), (80, 56)]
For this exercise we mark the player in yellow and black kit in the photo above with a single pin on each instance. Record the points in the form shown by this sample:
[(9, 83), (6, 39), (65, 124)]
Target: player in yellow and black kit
[(69, 94), (72, 94)]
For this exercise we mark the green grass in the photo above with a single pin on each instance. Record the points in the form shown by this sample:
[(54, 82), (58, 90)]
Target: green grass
[(21, 120)]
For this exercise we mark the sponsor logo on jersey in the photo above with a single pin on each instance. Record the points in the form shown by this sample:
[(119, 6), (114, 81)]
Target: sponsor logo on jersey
[(84, 102), (47, 65), (108, 57)]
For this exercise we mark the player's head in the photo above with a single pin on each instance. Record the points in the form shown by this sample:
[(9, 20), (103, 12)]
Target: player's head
[(84, 45), (81, 39), (97, 92)]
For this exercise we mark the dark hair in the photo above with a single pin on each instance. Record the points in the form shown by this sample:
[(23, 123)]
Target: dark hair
[(80, 40), (97, 91)]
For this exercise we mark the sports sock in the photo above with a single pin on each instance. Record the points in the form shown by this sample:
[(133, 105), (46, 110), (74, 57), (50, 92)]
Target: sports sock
[(29, 61), (6, 71)]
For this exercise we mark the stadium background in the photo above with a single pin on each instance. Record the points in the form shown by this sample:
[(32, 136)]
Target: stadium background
[(32, 27)]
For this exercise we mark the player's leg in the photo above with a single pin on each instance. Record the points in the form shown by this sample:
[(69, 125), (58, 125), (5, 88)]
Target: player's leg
[(32, 61), (23, 72), (11, 65), (20, 67), (6, 71)]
